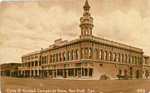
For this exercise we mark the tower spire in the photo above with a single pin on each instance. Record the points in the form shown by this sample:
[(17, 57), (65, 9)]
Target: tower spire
[(86, 21), (86, 7)]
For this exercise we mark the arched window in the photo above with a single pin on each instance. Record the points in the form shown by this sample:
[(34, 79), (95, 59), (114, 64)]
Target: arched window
[(50, 58), (86, 53), (105, 55), (54, 58), (45, 59), (109, 56), (118, 57), (128, 58), (82, 53), (60, 58), (125, 58), (90, 53), (77, 53), (121, 57), (96, 51), (115, 57), (68, 55), (100, 54), (64, 56), (57, 57), (72, 55), (138, 61), (132, 60), (135, 60)]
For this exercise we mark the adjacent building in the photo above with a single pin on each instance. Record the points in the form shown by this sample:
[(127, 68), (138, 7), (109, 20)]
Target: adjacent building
[(31, 64), (9, 69), (85, 57)]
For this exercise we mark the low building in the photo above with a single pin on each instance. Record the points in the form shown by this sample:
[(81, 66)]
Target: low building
[(9, 69), (85, 57)]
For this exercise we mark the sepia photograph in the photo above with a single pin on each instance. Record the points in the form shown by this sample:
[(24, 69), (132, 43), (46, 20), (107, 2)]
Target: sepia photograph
[(75, 46)]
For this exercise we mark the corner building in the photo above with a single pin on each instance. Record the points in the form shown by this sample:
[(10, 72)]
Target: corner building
[(85, 57)]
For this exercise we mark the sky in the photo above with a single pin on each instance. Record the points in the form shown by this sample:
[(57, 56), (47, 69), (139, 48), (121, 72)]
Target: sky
[(27, 26)]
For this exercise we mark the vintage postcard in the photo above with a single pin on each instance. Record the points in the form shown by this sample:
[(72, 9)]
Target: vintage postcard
[(75, 46)]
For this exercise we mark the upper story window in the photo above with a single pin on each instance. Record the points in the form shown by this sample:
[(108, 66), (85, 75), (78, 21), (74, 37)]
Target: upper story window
[(135, 60), (140, 60), (146, 60), (39, 63), (57, 57), (96, 53), (115, 57), (82, 52), (77, 54), (50, 58), (72, 55), (42, 60), (54, 58), (121, 57), (125, 58), (105, 55), (28, 64), (90, 53), (86, 53), (100, 54), (128, 58), (60, 58), (32, 63), (36, 57), (32, 57), (118, 57), (68, 55), (132, 60), (45, 59), (36, 63), (64, 56), (109, 56)]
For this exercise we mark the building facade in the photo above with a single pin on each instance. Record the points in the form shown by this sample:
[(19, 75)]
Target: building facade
[(31, 64), (85, 57), (9, 69)]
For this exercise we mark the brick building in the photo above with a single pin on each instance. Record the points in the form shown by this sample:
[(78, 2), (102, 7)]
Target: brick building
[(9, 69), (85, 57)]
